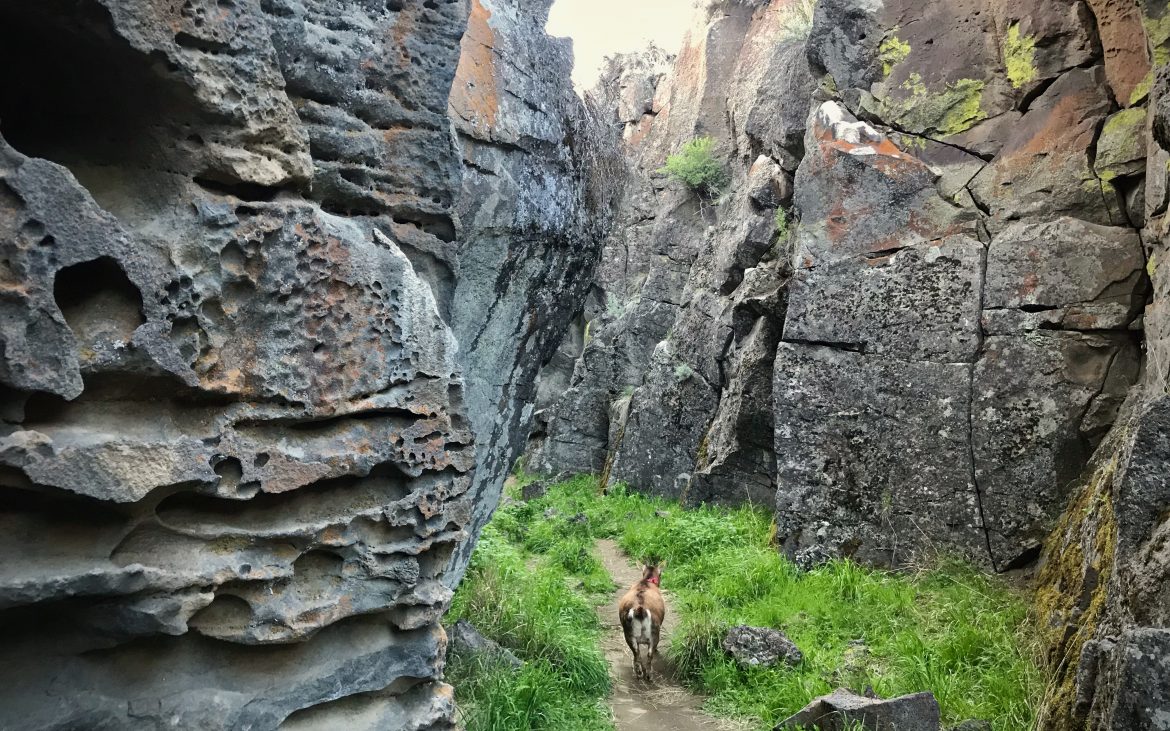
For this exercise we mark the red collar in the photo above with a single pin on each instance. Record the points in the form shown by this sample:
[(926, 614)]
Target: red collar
[(654, 580)]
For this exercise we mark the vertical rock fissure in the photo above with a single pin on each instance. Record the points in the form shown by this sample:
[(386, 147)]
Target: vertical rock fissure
[(971, 416)]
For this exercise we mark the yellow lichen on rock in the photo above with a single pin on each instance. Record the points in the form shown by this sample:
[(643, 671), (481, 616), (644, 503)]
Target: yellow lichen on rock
[(1019, 56), (1072, 589)]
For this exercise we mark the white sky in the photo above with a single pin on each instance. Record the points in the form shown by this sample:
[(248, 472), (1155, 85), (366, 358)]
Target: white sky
[(600, 28)]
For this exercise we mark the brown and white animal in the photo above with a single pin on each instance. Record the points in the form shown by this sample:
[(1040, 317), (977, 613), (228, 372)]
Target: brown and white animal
[(641, 611)]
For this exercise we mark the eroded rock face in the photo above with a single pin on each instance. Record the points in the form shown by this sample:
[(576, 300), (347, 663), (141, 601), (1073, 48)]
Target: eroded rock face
[(267, 346), (538, 195), (671, 392), (956, 262), (961, 326)]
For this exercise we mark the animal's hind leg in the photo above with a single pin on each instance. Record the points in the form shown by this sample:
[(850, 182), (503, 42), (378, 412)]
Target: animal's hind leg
[(642, 660)]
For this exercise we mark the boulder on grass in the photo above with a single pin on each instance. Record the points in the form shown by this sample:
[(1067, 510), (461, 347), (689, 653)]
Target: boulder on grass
[(534, 490), (843, 709), (466, 641), (754, 647)]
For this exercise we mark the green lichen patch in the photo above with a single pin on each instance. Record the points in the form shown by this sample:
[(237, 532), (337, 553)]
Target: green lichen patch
[(1121, 147), (1152, 266), (1073, 586), (892, 51), (1019, 56), (1142, 90), (957, 108), (1158, 32)]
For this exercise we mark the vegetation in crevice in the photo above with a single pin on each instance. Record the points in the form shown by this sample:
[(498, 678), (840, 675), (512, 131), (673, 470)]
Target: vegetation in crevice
[(781, 221), (945, 627), (696, 166)]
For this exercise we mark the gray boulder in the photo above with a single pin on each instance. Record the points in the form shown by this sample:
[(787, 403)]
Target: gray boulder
[(465, 640), (534, 490), (843, 709), (753, 647)]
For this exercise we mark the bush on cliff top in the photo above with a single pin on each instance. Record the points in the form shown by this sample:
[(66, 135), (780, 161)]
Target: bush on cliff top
[(696, 166)]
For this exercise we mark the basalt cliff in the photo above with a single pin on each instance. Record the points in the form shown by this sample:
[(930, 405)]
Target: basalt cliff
[(287, 286), (927, 313)]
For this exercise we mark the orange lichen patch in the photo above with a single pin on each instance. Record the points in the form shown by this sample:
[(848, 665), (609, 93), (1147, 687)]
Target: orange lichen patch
[(639, 133), (333, 536), (475, 93), (1123, 38), (1029, 285), (1066, 117), (840, 220), (884, 148)]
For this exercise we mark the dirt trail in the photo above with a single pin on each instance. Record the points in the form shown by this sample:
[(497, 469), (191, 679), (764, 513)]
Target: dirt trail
[(663, 704)]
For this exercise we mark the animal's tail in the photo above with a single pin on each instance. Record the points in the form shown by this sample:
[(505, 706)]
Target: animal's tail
[(638, 613)]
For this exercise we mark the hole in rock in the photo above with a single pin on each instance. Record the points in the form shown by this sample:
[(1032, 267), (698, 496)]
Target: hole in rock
[(74, 92), (98, 301), (433, 562), (317, 566), (226, 615), (230, 472)]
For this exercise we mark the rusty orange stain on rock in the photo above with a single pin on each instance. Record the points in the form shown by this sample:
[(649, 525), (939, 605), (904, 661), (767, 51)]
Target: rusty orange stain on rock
[(475, 93), (1123, 40), (1029, 285)]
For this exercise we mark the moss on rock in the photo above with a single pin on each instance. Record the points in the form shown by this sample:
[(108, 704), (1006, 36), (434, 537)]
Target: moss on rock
[(1121, 147), (1158, 32), (1072, 587)]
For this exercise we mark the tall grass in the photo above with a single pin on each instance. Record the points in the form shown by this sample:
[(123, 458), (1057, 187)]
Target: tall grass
[(528, 607), (949, 628)]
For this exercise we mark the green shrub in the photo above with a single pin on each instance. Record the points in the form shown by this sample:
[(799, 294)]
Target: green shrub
[(782, 223), (696, 166)]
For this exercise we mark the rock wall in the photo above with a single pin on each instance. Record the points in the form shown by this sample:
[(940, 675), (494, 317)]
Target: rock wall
[(538, 196), (269, 319), (965, 317), (927, 348), (1102, 601), (672, 390)]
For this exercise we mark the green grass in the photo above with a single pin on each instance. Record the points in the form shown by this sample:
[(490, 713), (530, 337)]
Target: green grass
[(947, 628), (528, 606)]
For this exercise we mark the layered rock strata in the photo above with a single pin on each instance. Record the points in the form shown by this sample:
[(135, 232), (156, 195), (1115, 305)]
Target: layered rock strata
[(265, 345)]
